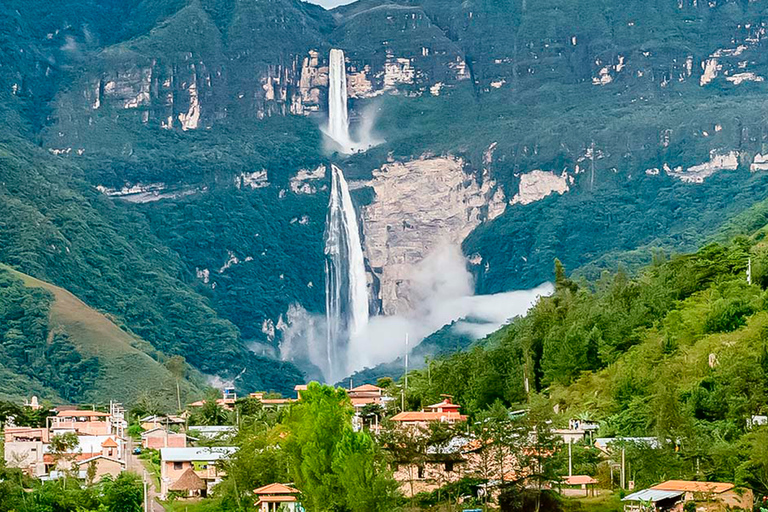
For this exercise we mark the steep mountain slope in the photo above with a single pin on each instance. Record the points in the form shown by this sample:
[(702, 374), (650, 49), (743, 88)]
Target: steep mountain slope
[(103, 360), (591, 131), (678, 353), (59, 229)]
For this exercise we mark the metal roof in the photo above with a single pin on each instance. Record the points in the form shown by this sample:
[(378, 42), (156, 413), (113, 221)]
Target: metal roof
[(213, 428), (455, 445), (652, 495), (214, 431), (605, 442), (207, 454)]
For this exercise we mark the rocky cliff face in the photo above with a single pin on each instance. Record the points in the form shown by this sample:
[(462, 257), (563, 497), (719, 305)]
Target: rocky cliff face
[(418, 206), (522, 130), (197, 68)]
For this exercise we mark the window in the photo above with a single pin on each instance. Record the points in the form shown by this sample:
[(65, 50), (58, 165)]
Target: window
[(448, 467), (420, 473), (178, 465)]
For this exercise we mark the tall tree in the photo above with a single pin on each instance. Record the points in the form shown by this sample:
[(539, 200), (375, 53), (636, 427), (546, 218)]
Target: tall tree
[(334, 467)]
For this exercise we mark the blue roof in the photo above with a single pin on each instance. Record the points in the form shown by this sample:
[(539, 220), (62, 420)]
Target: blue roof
[(652, 495)]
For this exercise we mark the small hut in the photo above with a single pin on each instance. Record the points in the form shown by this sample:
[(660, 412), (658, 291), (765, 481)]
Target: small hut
[(275, 497), (189, 485)]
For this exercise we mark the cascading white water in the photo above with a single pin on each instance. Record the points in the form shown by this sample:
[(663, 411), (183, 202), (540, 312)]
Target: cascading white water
[(346, 287), (338, 117)]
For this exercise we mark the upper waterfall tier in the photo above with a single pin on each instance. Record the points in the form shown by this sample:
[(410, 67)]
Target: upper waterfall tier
[(338, 117)]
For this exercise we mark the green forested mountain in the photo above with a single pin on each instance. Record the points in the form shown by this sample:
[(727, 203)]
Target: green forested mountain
[(57, 348), (679, 353), (151, 151)]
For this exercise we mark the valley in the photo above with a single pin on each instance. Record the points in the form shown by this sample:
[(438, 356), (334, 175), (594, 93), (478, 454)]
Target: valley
[(556, 207)]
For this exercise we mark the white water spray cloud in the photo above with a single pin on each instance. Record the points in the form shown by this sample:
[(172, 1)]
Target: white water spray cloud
[(445, 295)]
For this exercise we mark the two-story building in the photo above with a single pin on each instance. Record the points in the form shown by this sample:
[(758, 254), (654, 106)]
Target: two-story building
[(174, 463), (277, 497), (93, 423), (362, 397), (24, 448), (445, 412), (88, 447)]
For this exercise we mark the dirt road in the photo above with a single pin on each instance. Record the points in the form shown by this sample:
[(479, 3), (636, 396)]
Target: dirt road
[(136, 465)]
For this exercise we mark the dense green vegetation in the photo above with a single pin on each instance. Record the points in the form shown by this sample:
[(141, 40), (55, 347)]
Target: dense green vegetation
[(679, 353), (19, 493), (139, 263), (311, 444), (82, 241), (56, 347), (46, 359)]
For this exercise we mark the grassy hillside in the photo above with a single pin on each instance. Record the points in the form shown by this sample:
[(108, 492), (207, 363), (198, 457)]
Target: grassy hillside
[(117, 356)]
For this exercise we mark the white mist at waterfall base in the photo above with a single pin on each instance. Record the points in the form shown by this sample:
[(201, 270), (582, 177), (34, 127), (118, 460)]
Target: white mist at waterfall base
[(337, 129), (446, 295)]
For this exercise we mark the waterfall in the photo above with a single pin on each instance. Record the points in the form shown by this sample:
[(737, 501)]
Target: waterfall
[(338, 118), (346, 287)]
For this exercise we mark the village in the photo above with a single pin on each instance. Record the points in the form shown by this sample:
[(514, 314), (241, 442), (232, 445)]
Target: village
[(430, 449)]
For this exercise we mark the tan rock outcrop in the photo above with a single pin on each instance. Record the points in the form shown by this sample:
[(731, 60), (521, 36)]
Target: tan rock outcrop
[(420, 205)]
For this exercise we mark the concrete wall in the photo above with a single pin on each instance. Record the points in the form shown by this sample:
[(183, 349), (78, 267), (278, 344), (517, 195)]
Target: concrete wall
[(27, 456), (104, 467), (159, 440)]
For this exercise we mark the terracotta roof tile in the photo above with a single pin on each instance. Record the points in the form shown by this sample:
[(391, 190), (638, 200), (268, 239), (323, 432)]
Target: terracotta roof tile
[(366, 388), (82, 414), (276, 489), (428, 416), (579, 480), (48, 458), (688, 486)]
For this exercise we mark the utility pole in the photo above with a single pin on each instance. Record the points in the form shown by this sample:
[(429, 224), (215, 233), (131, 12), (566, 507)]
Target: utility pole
[(146, 497), (623, 473), (570, 458), (406, 361), (592, 178)]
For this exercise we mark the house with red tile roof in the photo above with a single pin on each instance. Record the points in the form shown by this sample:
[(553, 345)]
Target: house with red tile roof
[(445, 412), (92, 423), (363, 396), (103, 465), (710, 495), (274, 497)]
